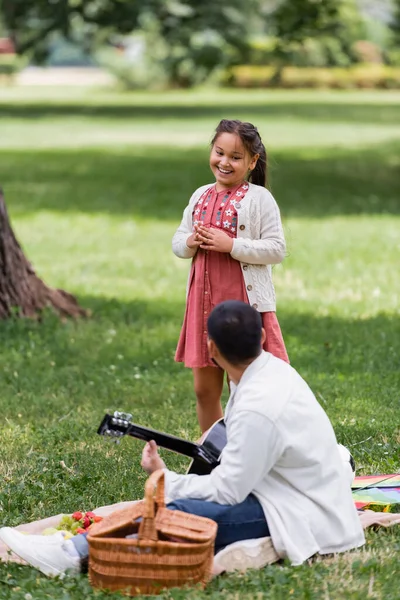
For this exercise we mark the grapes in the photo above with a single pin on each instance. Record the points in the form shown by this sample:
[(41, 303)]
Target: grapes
[(71, 524)]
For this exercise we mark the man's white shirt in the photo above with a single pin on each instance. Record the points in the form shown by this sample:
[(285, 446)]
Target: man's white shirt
[(281, 448)]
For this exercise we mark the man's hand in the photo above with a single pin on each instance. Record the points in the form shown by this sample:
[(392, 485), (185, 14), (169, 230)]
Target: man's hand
[(214, 239), (151, 460)]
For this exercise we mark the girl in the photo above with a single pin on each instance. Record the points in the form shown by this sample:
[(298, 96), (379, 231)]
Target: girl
[(233, 232)]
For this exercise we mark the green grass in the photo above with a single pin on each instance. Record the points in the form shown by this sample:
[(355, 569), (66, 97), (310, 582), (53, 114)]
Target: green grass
[(95, 183)]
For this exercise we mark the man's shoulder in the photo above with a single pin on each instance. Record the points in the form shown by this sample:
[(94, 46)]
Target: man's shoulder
[(274, 370), (271, 388)]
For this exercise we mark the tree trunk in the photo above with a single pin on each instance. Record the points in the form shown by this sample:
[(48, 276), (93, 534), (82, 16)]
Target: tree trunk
[(22, 293)]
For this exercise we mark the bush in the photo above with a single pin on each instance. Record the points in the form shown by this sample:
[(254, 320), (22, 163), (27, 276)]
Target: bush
[(393, 57), (65, 53), (376, 76), (311, 52), (10, 64), (249, 76), (131, 72), (261, 51), (367, 52), (308, 53), (335, 53), (363, 76), (309, 77)]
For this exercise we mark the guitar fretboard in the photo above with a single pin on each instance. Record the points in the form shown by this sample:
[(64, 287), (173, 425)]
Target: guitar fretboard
[(169, 442)]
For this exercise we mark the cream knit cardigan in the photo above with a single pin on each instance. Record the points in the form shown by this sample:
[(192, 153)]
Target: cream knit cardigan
[(259, 244)]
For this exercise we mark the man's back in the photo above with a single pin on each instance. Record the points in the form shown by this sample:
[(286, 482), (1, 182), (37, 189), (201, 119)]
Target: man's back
[(304, 489)]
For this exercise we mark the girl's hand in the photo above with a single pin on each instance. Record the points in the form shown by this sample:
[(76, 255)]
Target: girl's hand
[(194, 241), (215, 239), (151, 460)]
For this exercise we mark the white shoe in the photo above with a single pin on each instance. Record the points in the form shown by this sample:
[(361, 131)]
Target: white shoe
[(44, 552), (246, 554)]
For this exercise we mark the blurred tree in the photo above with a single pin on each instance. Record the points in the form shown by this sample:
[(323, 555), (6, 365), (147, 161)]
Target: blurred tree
[(296, 20), (31, 22), (187, 40), (202, 34), (395, 23), (317, 32), (394, 39), (2, 27)]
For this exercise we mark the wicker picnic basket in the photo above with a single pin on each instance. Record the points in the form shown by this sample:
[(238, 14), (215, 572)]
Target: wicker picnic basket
[(170, 548)]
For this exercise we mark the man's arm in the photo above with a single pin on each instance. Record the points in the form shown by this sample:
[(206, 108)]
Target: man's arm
[(253, 447)]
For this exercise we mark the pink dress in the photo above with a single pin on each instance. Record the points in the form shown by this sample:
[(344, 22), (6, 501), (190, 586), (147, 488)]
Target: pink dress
[(215, 277)]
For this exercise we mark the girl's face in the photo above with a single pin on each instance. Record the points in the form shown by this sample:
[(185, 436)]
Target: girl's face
[(229, 161)]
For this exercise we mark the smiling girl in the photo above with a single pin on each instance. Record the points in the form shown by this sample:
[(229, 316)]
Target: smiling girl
[(233, 232)]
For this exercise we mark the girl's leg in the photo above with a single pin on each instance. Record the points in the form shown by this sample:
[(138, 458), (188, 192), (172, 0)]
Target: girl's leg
[(208, 384)]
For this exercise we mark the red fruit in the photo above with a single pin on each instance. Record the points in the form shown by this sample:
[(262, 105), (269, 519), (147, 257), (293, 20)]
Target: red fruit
[(80, 530), (77, 515), (90, 514), (97, 518), (86, 522)]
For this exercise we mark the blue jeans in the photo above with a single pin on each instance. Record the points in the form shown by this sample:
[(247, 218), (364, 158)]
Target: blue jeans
[(238, 522)]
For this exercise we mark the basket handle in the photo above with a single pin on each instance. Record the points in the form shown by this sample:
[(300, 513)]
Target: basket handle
[(154, 487)]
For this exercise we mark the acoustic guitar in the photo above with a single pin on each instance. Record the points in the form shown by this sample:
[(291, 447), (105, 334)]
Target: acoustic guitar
[(205, 455)]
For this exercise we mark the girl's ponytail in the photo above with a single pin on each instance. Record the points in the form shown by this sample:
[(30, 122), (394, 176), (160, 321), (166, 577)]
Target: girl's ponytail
[(259, 174)]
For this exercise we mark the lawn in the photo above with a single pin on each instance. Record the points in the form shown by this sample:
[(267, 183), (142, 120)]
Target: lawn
[(95, 183)]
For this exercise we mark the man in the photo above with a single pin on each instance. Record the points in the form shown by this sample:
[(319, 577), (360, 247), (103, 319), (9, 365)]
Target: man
[(281, 489)]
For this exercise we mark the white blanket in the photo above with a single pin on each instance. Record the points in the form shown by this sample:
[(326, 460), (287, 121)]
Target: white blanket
[(368, 518)]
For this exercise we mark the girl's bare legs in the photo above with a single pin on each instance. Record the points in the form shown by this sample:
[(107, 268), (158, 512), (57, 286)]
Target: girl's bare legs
[(208, 384)]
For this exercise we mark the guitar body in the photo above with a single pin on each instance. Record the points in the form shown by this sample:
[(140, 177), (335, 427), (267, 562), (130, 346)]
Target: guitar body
[(205, 455), (213, 441)]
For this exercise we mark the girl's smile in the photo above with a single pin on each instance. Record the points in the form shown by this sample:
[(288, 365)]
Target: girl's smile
[(229, 161)]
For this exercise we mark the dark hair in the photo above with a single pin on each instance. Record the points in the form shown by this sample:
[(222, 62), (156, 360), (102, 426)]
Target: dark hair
[(235, 327), (252, 142)]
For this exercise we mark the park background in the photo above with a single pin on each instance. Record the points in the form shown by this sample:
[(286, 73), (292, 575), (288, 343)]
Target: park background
[(101, 145)]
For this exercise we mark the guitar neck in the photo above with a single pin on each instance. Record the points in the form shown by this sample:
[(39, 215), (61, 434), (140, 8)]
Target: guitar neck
[(169, 442)]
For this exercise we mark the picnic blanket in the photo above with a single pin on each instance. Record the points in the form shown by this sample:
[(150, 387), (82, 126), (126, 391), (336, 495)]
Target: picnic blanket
[(37, 527), (368, 517), (380, 493)]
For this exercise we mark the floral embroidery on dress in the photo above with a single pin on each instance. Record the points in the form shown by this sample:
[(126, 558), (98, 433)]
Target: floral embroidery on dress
[(211, 209)]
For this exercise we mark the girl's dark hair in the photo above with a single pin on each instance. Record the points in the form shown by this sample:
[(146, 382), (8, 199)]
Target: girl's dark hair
[(252, 142)]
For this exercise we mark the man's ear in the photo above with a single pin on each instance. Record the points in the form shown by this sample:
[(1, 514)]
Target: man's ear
[(263, 336), (212, 348)]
